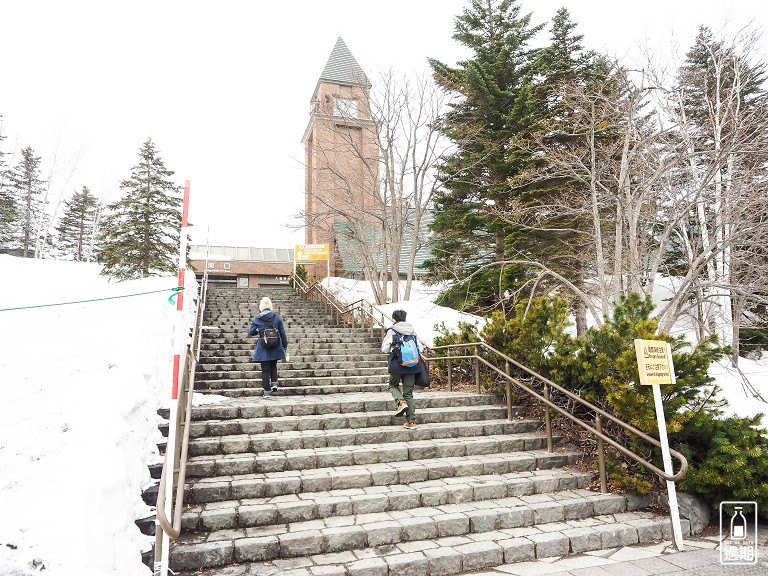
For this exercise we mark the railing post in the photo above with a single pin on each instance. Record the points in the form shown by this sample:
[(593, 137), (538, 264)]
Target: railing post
[(450, 376), (477, 369), (508, 371), (601, 455), (548, 419)]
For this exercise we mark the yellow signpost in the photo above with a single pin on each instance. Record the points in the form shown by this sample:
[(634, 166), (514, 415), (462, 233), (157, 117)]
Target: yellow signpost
[(312, 253), (654, 364)]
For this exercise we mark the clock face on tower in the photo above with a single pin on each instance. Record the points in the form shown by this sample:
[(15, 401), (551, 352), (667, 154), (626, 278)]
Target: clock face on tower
[(346, 107)]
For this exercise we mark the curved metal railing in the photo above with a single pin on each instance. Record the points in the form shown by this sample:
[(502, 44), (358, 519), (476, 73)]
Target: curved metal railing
[(548, 386), (319, 292), (182, 424)]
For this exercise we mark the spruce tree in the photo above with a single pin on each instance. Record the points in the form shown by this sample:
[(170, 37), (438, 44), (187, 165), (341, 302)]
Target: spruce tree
[(27, 190), (140, 232), (8, 211), (490, 111), (76, 229), (560, 239)]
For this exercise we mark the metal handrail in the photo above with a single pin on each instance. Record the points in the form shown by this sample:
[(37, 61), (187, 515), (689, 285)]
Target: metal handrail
[(596, 430), (186, 392), (548, 386)]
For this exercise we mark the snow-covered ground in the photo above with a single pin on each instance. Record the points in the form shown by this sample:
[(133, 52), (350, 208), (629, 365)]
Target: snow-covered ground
[(80, 385)]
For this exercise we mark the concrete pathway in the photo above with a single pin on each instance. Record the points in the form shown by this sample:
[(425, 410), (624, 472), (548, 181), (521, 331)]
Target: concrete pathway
[(701, 557)]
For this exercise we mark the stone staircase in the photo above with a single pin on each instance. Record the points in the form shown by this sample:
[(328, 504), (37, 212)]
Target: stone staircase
[(321, 479)]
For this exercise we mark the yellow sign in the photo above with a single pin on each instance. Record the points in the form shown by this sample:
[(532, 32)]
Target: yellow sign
[(311, 252), (654, 362)]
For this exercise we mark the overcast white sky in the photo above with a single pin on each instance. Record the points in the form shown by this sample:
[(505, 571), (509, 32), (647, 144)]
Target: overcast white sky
[(223, 87)]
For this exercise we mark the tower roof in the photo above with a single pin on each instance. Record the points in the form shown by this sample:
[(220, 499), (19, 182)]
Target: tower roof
[(342, 68)]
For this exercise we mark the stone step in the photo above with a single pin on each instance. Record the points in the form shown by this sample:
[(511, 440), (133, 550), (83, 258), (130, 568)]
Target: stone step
[(215, 488), (288, 373), (248, 512), (210, 365), (256, 390), (321, 341), (343, 404), (371, 453), (243, 356), (257, 441), (312, 329), (341, 421), (506, 530), (239, 383), (315, 345)]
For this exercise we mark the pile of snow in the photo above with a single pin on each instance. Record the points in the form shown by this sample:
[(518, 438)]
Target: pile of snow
[(422, 312), (80, 387)]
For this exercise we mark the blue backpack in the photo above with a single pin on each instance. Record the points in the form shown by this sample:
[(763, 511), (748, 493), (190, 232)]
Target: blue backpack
[(409, 351)]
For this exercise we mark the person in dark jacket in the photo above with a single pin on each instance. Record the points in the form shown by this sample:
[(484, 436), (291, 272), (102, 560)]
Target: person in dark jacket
[(268, 357), (399, 373)]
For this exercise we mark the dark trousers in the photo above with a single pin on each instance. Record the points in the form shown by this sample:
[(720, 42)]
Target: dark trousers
[(268, 373)]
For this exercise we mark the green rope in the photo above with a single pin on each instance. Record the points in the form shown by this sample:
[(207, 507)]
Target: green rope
[(175, 291)]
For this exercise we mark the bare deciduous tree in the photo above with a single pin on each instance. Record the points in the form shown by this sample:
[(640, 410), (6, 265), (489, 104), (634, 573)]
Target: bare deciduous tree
[(378, 210)]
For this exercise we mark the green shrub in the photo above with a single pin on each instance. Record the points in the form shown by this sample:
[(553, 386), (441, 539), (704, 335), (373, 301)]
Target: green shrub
[(530, 336), (728, 457)]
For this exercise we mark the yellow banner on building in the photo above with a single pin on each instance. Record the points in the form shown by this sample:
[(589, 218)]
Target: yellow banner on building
[(311, 252), (654, 362)]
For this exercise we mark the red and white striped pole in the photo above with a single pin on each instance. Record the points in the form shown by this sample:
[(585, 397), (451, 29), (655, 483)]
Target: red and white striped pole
[(179, 345)]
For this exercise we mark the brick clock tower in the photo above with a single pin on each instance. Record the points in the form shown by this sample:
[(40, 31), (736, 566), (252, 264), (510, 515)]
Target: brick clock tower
[(341, 152)]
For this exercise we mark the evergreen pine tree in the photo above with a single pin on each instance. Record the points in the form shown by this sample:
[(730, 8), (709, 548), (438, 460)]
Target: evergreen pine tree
[(77, 226), (26, 189), (140, 232), (560, 239), (483, 123), (8, 211)]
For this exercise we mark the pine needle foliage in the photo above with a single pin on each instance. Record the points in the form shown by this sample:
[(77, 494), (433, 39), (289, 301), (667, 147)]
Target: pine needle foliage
[(77, 226), (140, 232)]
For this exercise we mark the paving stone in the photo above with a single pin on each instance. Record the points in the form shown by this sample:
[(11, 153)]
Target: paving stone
[(335, 558), (544, 512), (583, 539), (483, 520), (328, 571), (517, 549), (413, 564), (550, 544), (304, 543), (344, 538), (480, 555), (452, 524), (218, 519), (386, 532), (419, 529), (617, 535), (205, 555), (443, 561)]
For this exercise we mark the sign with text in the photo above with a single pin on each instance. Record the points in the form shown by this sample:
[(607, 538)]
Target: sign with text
[(654, 362), (311, 252)]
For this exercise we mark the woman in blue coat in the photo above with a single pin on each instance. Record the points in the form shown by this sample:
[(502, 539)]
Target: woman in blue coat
[(268, 357)]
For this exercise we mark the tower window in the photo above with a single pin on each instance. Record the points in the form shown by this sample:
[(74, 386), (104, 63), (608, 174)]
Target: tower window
[(346, 107)]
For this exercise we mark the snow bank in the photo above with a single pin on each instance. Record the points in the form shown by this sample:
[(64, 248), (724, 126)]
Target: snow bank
[(422, 312), (80, 386)]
